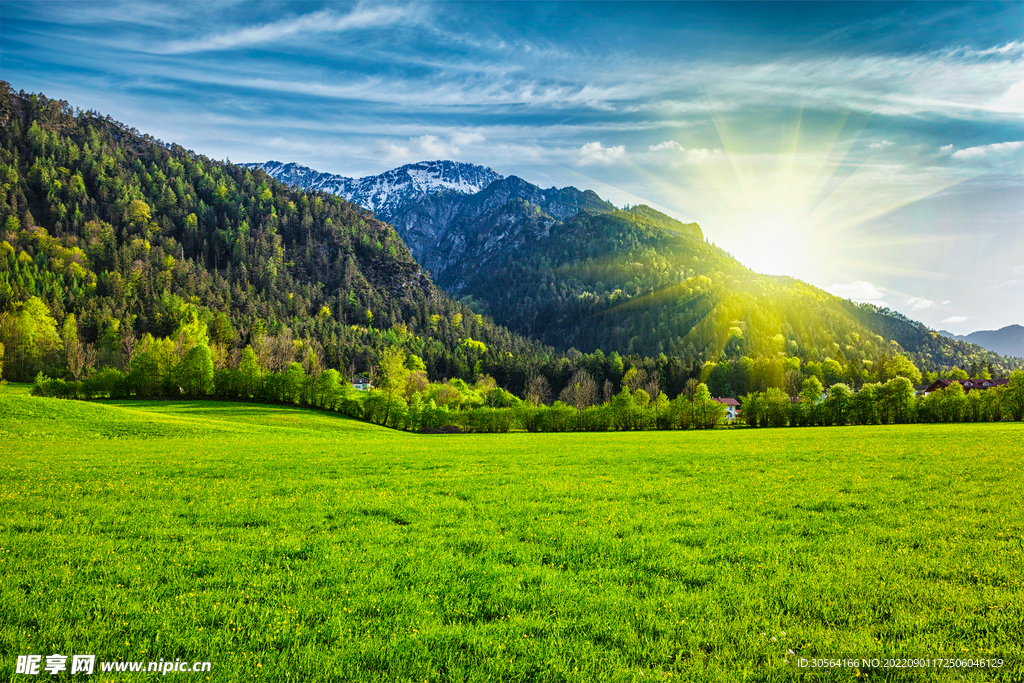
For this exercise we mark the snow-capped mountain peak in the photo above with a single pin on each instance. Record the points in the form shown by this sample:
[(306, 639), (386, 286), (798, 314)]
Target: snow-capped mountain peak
[(385, 193)]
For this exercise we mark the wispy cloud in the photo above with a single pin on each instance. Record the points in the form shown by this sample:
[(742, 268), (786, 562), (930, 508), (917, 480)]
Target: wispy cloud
[(1010, 286), (860, 290), (955, 319), (985, 150), (324, 21), (676, 153)]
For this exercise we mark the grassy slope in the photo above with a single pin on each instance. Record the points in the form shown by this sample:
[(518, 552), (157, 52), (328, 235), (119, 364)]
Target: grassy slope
[(277, 541)]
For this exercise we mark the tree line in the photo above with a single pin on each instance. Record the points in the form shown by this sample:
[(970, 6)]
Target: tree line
[(182, 365)]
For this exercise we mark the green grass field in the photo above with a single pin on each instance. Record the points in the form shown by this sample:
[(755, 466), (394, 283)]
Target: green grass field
[(294, 545)]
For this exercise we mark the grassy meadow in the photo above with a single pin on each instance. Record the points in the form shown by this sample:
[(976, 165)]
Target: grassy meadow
[(293, 545)]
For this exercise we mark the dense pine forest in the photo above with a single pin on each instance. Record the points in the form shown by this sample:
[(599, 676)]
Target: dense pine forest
[(123, 252)]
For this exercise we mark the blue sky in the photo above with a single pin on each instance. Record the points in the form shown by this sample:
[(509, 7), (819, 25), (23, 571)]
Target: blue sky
[(872, 149)]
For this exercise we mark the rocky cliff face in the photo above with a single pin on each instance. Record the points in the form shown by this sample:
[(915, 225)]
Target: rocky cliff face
[(450, 234)]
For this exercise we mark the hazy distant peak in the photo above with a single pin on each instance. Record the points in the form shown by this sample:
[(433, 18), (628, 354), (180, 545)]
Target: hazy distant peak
[(1006, 341)]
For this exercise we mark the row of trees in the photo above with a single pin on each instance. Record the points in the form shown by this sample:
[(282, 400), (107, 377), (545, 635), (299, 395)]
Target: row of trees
[(183, 365), (892, 402)]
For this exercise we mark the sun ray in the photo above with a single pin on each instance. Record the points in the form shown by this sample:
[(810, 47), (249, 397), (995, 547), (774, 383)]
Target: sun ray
[(853, 217)]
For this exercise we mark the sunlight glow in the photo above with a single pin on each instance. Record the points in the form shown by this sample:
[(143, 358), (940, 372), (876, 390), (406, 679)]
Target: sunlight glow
[(792, 207)]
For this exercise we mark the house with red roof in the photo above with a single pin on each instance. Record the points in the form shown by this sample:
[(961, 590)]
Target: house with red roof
[(732, 407), (967, 384)]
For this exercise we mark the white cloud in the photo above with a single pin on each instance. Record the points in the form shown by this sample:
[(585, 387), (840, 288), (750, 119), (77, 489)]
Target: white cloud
[(1010, 285), (859, 291), (595, 153), (944, 303), (696, 156), (883, 143), (667, 144), (429, 147), (955, 319), (459, 138), (946, 149), (1013, 98), (984, 150), (692, 156), (324, 21), (919, 303)]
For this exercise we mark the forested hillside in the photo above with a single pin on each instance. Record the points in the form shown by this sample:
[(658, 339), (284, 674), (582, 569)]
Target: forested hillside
[(124, 236)]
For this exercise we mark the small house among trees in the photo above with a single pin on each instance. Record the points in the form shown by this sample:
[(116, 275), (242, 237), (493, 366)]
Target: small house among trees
[(732, 407), (967, 384), (362, 383)]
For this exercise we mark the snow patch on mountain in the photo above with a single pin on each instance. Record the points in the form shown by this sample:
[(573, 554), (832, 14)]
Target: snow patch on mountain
[(387, 193)]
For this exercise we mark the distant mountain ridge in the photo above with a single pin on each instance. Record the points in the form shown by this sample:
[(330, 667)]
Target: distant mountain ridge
[(1006, 341), (567, 268)]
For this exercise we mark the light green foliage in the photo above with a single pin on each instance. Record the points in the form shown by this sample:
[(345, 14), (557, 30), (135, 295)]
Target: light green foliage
[(864, 405), (138, 212), (391, 370), (249, 373), (811, 390), (289, 545), (69, 330), (832, 371), (327, 389), (954, 402), (708, 413), (29, 334), (776, 407), (896, 400), (192, 331), (838, 404), (292, 383), (474, 346), (1015, 395), (810, 399), (195, 372), (899, 365)]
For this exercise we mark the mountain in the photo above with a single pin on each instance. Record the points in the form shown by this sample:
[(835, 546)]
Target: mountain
[(1006, 341), (570, 269), (388, 193), (134, 236), (446, 211)]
